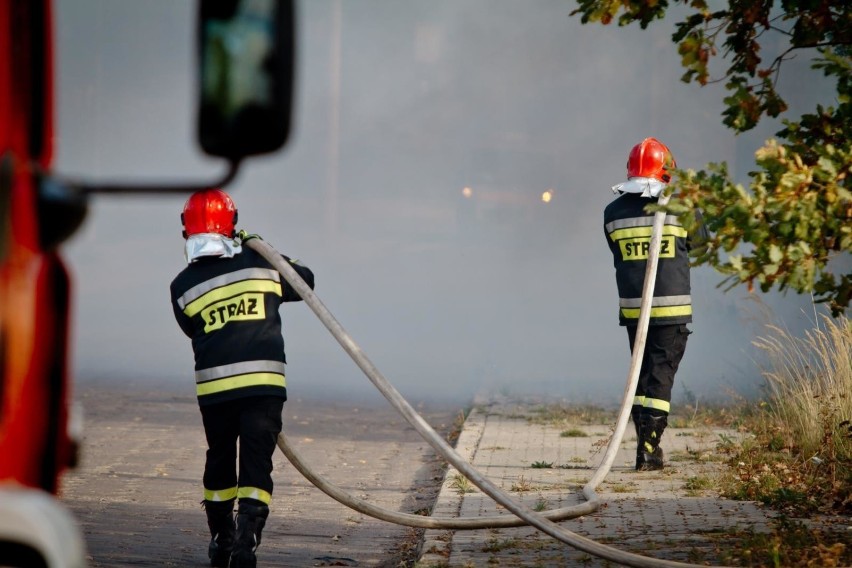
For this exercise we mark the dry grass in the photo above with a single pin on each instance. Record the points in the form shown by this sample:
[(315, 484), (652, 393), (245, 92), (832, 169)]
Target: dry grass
[(809, 381), (800, 460)]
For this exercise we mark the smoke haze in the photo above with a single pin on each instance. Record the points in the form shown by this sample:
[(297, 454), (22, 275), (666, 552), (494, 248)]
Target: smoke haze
[(399, 107)]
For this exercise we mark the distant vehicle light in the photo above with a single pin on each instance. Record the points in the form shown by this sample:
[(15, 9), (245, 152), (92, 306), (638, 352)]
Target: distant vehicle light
[(547, 196), (467, 192)]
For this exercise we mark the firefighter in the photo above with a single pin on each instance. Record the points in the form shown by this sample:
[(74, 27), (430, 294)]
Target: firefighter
[(627, 226), (226, 300)]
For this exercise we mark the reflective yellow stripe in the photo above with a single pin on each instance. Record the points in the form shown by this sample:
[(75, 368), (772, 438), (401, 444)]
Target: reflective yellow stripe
[(220, 494), (254, 493), (638, 400), (240, 381), (230, 278), (657, 301), (661, 312), (657, 404), (645, 221), (230, 291), (637, 232), (240, 368)]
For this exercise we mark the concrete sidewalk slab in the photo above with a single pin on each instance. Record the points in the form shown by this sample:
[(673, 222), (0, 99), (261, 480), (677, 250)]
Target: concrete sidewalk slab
[(665, 514)]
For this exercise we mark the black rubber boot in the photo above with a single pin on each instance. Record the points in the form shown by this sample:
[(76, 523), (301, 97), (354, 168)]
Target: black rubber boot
[(250, 522), (649, 454), (220, 521), (635, 413)]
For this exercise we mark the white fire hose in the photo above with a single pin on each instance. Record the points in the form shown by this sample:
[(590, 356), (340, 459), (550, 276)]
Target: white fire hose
[(525, 515)]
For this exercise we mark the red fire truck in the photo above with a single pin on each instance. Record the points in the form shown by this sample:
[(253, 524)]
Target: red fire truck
[(39, 210)]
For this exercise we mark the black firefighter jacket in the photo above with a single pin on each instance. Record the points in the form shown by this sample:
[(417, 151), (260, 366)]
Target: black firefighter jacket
[(229, 308), (628, 232)]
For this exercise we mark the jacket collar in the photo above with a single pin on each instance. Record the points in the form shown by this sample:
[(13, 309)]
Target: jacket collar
[(210, 244), (647, 187)]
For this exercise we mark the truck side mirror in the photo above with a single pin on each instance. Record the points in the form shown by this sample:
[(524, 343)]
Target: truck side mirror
[(246, 62)]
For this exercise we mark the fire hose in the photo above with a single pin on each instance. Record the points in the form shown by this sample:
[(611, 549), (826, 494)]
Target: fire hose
[(524, 514)]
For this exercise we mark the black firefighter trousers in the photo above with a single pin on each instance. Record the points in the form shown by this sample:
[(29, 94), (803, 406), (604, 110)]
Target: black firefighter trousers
[(664, 349), (256, 421)]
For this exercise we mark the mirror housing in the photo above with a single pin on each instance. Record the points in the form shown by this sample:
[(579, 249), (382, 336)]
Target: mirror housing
[(246, 63), (246, 73)]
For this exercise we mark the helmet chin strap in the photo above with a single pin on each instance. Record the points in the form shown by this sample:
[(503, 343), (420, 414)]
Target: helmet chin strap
[(647, 187)]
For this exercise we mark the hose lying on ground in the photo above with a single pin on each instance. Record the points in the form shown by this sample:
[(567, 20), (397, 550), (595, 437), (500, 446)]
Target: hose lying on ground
[(448, 452), (419, 521)]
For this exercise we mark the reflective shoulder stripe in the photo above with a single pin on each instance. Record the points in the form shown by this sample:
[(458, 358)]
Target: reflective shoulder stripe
[(230, 291), (633, 222), (254, 493), (242, 368), (220, 494), (629, 223), (238, 275), (645, 232)]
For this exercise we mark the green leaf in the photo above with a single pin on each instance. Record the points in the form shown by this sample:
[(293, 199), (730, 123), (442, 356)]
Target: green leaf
[(775, 254), (781, 229)]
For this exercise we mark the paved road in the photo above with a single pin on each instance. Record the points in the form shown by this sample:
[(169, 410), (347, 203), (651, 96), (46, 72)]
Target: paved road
[(137, 493), (138, 489), (663, 514)]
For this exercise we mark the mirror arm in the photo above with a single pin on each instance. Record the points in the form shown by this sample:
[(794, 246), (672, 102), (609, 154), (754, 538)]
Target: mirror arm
[(154, 189)]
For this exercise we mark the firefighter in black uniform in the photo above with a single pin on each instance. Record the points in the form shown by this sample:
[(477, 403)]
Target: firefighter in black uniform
[(226, 300), (628, 231)]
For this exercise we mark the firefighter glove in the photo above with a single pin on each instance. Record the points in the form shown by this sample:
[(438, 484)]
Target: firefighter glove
[(245, 236)]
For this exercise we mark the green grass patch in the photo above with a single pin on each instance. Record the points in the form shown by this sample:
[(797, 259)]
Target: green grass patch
[(697, 484), (462, 484), (623, 488), (563, 415)]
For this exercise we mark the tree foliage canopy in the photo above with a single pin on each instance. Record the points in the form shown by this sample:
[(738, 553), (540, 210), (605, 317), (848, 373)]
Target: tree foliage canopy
[(796, 213)]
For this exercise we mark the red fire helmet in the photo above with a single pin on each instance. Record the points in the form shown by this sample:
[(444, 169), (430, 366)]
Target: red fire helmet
[(650, 158), (209, 211)]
